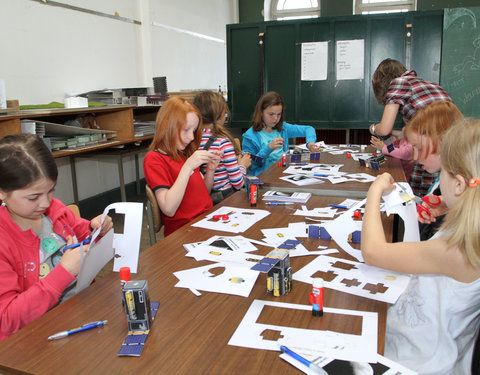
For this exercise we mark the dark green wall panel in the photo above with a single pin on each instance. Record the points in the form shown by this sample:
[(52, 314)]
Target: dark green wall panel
[(329, 103), (280, 64), (243, 73), (314, 100)]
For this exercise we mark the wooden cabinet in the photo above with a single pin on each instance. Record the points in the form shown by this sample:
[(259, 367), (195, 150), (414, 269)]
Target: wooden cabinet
[(118, 118)]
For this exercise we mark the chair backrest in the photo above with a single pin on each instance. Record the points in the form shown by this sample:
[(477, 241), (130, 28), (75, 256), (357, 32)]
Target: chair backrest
[(154, 215), (75, 209)]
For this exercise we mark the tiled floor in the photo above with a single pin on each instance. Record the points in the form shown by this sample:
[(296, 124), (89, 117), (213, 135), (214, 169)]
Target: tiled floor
[(145, 238)]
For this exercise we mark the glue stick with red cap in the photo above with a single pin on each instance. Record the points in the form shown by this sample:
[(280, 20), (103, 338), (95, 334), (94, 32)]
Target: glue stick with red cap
[(316, 297), (253, 195), (124, 276)]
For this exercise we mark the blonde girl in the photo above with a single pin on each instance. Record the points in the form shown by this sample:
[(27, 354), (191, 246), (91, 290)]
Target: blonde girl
[(431, 328)]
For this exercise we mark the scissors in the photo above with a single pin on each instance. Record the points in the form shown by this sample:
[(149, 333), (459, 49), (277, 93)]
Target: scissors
[(431, 200), (86, 241)]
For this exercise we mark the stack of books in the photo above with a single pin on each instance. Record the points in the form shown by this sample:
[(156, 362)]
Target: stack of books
[(280, 196)]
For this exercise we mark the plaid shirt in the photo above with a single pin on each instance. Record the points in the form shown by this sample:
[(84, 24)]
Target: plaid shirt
[(413, 93)]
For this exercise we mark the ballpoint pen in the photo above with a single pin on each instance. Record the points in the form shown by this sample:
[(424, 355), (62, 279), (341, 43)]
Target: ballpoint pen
[(312, 366), (61, 335), (320, 175), (278, 203), (337, 206), (298, 163)]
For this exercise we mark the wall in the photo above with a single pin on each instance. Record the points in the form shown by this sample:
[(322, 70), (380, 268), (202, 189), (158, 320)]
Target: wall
[(48, 51), (250, 10)]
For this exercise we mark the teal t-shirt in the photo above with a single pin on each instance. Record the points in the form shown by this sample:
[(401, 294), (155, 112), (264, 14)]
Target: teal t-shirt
[(275, 154)]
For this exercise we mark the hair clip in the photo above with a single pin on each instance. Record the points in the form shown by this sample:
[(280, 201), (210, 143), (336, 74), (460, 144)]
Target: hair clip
[(473, 182)]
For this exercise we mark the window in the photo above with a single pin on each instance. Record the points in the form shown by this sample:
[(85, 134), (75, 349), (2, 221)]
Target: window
[(382, 6), (292, 9)]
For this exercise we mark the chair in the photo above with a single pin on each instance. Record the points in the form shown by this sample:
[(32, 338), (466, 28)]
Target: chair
[(154, 215), (75, 209)]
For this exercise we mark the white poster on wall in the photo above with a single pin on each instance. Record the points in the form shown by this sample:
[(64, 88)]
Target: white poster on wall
[(314, 61), (350, 57)]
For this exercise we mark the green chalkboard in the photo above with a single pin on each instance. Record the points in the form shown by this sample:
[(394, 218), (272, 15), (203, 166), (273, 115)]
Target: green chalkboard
[(460, 71), (266, 56)]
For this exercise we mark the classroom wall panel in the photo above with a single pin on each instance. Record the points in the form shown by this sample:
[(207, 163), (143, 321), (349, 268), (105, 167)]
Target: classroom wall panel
[(338, 103), (244, 84), (387, 40), (426, 51), (460, 74), (314, 100), (280, 57), (349, 95)]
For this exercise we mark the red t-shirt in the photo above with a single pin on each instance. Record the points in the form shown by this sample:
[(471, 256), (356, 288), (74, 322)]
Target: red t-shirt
[(162, 172)]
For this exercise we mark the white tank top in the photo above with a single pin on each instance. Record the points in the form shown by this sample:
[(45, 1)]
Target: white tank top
[(431, 328)]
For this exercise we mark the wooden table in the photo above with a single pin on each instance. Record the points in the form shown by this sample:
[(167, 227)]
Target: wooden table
[(354, 189), (190, 333)]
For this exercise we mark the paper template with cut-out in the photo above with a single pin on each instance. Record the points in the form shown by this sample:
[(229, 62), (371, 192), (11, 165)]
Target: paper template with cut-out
[(381, 365), (312, 342), (235, 280), (340, 228), (395, 204), (355, 278), (239, 219), (127, 244)]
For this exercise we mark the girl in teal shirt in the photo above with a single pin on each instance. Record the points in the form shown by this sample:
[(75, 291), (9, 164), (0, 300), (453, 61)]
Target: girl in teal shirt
[(268, 136)]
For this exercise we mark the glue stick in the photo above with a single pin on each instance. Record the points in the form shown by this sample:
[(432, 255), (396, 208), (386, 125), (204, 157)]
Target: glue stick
[(124, 276), (253, 195), (316, 297)]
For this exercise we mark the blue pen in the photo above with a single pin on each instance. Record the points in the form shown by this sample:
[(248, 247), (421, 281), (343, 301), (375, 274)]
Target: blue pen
[(298, 163), (278, 203), (337, 206), (61, 335), (320, 175), (306, 362)]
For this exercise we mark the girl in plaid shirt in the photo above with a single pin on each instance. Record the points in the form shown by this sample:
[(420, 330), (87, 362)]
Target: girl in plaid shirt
[(401, 91)]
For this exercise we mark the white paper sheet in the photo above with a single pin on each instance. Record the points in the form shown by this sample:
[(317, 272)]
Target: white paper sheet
[(355, 278), (235, 280), (99, 253), (240, 219), (305, 341), (350, 59), (314, 61)]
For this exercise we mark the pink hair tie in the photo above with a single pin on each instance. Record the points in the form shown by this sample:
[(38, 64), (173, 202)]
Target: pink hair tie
[(473, 182)]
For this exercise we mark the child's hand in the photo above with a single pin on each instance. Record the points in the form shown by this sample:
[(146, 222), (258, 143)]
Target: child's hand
[(198, 158), (376, 142), (384, 184), (435, 211), (245, 161), (106, 226), (312, 147), (71, 259), (214, 161), (277, 142)]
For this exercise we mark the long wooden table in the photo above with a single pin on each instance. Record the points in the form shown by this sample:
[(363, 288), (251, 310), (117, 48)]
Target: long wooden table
[(354, 189), (190, 333)]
